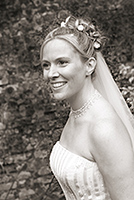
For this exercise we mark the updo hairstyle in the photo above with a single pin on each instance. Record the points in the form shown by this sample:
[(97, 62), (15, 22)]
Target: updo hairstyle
[(82, 34)]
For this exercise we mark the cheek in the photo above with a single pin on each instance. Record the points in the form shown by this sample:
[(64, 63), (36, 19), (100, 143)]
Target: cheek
[(79, 80), (77, 74), (45, 75), (69, 72)]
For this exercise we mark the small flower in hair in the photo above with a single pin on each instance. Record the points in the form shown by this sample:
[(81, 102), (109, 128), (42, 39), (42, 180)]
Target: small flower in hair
[(63, 24), (97, 45), (80, 27)]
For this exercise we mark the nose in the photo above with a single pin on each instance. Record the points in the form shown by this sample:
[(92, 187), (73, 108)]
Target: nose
[(53, 72)]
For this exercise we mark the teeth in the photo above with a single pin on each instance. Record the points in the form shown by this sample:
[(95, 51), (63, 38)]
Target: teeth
[(56, 85)]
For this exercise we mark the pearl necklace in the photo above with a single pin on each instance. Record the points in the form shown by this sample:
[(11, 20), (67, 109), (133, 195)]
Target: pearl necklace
[(86, 106)]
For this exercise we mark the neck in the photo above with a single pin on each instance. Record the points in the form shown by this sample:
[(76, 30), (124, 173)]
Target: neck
[(81, 111), (79, 99)]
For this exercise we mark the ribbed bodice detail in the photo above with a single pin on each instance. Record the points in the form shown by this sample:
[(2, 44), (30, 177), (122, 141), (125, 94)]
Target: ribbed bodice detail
[(79, 178)]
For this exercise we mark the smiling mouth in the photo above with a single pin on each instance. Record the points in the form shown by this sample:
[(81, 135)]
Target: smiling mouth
[(58, 85)]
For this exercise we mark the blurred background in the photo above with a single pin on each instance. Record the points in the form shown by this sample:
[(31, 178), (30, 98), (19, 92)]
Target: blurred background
[(30, 120)]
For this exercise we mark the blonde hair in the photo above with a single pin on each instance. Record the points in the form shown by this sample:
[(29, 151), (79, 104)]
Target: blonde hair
[(82, 40)]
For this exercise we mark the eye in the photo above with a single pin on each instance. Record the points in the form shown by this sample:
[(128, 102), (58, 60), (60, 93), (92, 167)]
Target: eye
[(45, 65), (62, 62)]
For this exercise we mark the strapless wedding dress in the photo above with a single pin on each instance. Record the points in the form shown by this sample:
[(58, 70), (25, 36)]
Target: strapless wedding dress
[(79, 178)]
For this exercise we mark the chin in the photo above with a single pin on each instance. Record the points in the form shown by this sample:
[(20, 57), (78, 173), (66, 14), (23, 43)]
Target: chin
[(58, 97)]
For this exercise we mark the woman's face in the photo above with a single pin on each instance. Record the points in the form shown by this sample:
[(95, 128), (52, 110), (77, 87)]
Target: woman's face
[(64, 69)]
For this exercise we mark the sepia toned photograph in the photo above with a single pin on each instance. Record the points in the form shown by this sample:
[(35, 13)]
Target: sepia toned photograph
[(66, 100)]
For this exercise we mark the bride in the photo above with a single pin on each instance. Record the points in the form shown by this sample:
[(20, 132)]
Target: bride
[(94, 159)]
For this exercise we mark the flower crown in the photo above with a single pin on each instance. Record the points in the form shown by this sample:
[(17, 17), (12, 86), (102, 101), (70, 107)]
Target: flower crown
[(84, 27)]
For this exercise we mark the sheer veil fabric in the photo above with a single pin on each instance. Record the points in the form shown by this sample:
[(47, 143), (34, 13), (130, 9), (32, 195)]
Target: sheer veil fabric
[(106, 85)]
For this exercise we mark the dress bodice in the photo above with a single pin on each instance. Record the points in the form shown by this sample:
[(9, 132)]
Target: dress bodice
[(79, 178)]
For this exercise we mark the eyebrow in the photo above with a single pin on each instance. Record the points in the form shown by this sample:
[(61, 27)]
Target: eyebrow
[(57, 59), (44, 61)]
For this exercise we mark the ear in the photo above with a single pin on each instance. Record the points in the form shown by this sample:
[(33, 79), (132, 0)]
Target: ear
[(90, 66)]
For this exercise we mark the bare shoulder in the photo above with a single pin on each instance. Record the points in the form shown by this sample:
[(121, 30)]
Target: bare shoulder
[(112, 150), (108, 136), (108, 131)]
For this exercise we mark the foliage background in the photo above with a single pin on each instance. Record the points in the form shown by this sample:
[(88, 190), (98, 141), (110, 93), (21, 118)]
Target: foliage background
[(30, 120)]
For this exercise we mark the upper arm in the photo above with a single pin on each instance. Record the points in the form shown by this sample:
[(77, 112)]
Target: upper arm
[(112, 150)]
